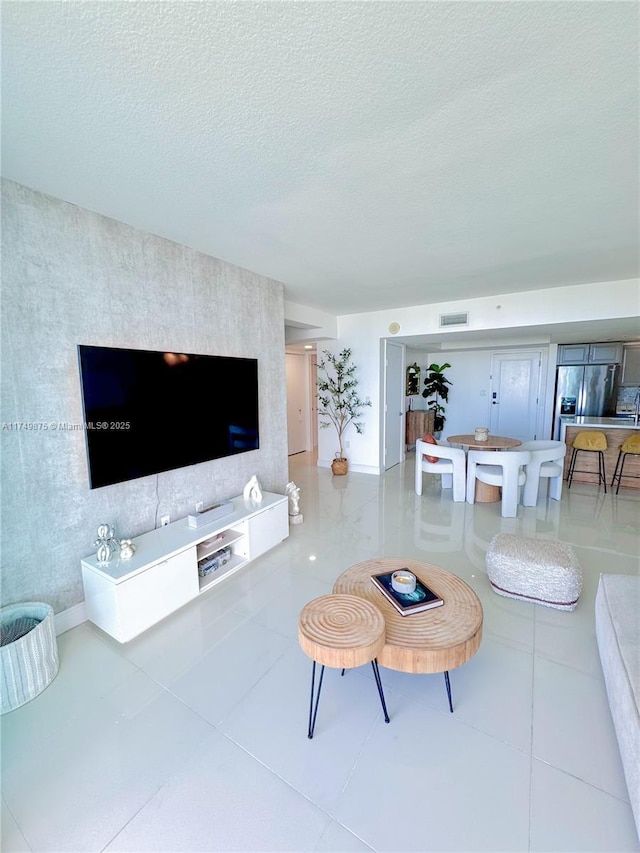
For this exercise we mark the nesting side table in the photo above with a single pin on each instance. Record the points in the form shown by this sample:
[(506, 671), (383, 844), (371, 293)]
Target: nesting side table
[(341, 631)]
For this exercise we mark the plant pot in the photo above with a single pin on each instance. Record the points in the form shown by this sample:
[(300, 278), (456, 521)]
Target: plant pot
[(340, 465)]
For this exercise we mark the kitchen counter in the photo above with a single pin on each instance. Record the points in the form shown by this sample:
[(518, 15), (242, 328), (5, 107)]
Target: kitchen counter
[(613, 423), (617, 430)]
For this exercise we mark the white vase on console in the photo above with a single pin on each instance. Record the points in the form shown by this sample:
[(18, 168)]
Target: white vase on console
[(252, 491)]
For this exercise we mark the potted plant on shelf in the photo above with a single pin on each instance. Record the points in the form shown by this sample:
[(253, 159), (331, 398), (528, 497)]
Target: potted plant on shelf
[(338, 401), (437, 386)]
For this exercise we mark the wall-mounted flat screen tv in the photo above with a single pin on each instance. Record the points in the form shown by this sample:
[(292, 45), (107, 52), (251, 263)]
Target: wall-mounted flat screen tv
[(147, 412)]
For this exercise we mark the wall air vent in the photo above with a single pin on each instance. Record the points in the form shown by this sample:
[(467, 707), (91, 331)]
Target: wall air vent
[(447, 320)]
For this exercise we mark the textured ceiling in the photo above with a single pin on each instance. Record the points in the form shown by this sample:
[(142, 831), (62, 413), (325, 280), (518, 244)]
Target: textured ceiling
[(368, 155)]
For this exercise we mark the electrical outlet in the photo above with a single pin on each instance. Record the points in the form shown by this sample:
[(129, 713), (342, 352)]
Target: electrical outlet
[(347, 444), (199, 506), (165, 519)]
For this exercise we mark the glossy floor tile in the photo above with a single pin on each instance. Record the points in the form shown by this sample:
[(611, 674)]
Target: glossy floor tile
[(222, 799), (193, 736), (438, 769)]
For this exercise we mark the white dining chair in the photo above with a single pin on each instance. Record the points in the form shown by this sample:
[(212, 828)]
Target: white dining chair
[(498, 468), (547, 460), (450, 466)]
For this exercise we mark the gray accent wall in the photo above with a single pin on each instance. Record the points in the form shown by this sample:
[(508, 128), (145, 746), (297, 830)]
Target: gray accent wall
[(70, 276)]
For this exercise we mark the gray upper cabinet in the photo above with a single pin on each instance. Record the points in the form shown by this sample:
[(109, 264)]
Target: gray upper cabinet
[(573, 354), (605, 353), (630, 365)]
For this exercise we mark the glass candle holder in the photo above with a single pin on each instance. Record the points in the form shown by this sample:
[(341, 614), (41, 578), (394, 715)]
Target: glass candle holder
[(403, 581)]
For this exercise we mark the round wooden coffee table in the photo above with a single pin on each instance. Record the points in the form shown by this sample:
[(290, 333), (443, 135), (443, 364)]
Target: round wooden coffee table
[(436, 640), (484, 492)]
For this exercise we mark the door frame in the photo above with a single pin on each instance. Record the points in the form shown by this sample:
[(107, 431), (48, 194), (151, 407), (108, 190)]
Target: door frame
[(313, 400), (385, 415), (310, 408), (302, 403)]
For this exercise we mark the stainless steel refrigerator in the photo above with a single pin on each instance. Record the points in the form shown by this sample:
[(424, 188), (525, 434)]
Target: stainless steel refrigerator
[(584, 390)]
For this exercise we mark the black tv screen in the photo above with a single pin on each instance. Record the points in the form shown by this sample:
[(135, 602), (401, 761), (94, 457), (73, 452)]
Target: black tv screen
[(147, 412)]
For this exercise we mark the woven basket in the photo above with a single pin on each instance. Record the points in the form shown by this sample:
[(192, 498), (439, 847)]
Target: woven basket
[(340, 465), (30, 662)]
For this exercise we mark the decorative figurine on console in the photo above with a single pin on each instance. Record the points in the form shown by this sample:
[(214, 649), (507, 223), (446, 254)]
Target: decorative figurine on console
[(252, 491), (106, 543), (293, 493), (127, 549)]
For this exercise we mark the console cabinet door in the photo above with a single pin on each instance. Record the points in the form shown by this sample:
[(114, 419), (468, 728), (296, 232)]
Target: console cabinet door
[(267, 529), (155, 593)]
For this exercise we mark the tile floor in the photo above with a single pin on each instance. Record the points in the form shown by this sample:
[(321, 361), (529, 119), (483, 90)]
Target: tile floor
[(193, 736)]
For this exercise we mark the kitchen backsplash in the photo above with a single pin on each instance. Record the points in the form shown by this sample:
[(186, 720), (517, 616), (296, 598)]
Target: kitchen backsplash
[(626, 402)]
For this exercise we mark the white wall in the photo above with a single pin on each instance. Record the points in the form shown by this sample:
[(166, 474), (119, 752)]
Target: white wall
[(308, 324), (468, 403), (363, 453), (469, 392), (521, 312)]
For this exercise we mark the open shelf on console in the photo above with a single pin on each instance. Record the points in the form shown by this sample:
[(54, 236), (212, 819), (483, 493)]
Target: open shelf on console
[(236, 562), (216, 543)]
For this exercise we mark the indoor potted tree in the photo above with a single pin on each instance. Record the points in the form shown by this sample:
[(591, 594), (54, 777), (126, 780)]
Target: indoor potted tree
[(338, 401), (437, 386)]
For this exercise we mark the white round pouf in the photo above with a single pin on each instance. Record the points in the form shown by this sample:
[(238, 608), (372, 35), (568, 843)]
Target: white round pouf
[(535, 570), (30, 663)]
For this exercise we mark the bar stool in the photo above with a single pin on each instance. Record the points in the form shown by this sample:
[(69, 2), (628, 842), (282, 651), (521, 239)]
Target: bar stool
[(341, 631), (630, 447), (588, 441)]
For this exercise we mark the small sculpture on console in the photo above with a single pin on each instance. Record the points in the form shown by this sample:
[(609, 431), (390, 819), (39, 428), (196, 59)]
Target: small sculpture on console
[(127, 549), (293, 493), (106, 543), (252, 491)]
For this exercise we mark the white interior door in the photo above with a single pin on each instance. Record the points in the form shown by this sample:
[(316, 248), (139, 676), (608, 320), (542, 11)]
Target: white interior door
[(394, 405), (515, 392), (297, 404)]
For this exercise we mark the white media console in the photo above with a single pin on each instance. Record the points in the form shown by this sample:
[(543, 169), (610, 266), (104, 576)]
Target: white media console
[(125, 597)]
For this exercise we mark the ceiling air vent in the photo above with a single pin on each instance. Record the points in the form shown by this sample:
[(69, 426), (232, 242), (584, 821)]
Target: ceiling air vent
[(447, 320)]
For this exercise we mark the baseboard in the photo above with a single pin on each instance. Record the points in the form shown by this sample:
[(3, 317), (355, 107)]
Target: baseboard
[(70, 618), (365, 469), (357, 469)]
